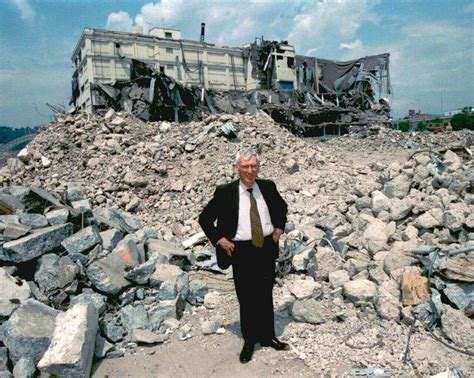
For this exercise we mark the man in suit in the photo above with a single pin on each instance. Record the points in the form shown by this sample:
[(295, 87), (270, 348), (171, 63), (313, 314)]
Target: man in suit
[(251, 217)]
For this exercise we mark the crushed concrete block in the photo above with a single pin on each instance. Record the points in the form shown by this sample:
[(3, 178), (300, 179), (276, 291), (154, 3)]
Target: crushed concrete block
[(102, 346), (83, 206), (309, 311), (110, 238), (108, 273), (25, 368), (72, 346), (82, 240), (174, 276), (142, 336), (166, 309), (164, 251), (457, 327), (338, 278), (197, 292), (414, 288), (38, 199), (453, 220), (135, 317), (360, 290), (398, 187), (55, 272), (210, 326), (327, 261), (36, 244), (33, 220), (375, 237), (74, 194), (29, 330), (97, 300), (59, 216), (116, 218), (9, 204), (14, 231), (305, 288), (387, 301), (12, 288), (142, 273), (3, 359)]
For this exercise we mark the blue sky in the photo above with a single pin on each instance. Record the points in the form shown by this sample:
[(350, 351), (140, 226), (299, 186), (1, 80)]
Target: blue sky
[(431, 42)]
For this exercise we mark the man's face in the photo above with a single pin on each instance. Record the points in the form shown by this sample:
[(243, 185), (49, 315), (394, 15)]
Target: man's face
[(248, 170)]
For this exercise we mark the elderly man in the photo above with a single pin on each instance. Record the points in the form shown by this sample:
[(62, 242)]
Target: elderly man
[(251, 217)]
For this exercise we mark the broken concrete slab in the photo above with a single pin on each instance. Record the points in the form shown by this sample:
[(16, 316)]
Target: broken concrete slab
[(108, 273), (34, 221), (460, 267), (110, 238), (309, 310), (59, 216), (158, 312), (29, 330), (142, 273), (37, 200), (305, 288), (55, 272), (173, 276), (98, 300), (82, 240), (134, 317), (25, 368), (14, 231), (72, 346), (12, 288), (9, 204), (36, 244), (197, 292)]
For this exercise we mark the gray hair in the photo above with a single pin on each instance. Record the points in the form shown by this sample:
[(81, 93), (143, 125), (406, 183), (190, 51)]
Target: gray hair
[(246, 153)]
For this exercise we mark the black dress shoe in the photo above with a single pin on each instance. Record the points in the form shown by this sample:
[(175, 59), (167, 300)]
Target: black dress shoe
[(247, 352), (275, 344)]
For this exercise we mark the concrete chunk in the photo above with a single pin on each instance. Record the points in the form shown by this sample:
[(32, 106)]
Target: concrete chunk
[(108, 274), (72, 346), (55, 272), (82, 240), (56, 217), (98, 300), (29, 330), (25, 368), (12, 288), (36, 244), (110, 238), (33, 220), (360, 290)]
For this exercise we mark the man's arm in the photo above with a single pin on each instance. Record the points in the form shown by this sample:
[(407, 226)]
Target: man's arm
[(208, 217), (280, 210)]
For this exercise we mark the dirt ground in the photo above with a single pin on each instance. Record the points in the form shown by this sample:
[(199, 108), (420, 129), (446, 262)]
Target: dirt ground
[(205, 356)]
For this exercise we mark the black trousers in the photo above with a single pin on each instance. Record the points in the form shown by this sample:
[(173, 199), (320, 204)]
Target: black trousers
[(254, 276)]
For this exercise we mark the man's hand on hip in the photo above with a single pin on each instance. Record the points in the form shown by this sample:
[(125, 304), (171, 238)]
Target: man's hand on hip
[(276, 234), (227, 245)]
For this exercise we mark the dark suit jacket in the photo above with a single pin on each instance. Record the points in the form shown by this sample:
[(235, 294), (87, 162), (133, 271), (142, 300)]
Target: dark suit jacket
[(224, 207)]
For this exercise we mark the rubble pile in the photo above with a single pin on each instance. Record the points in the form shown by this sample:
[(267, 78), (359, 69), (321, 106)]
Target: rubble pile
[(375, 138), (399, 248), (165, 172), (92, 279), (372, 252)]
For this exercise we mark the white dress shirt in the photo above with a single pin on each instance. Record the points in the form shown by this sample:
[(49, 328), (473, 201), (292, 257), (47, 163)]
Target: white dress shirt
[(244, 231)]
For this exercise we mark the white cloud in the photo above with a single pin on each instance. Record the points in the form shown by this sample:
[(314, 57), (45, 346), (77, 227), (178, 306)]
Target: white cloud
[(26, 11), (357, 44), (119, 21), (326, 24)]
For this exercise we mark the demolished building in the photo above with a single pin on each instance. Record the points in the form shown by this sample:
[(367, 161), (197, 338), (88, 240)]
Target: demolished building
[(160, 76)]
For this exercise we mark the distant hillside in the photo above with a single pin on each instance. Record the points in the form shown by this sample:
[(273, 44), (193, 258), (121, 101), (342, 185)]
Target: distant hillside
[(7, 134)]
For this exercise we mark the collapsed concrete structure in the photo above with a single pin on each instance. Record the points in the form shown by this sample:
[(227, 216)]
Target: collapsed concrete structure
[(161, 76)]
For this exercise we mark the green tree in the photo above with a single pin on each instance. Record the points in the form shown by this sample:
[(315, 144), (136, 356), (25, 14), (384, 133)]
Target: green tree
[(462, 121), (421, 126), (404, 126)]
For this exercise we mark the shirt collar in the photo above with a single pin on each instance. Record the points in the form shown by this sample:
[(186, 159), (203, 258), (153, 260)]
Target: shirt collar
[(243, 188)]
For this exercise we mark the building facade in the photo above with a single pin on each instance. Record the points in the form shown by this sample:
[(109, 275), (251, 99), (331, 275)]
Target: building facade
[(103, 56)]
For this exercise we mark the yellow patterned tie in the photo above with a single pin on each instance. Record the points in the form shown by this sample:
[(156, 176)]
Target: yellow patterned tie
[(255, 222)]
